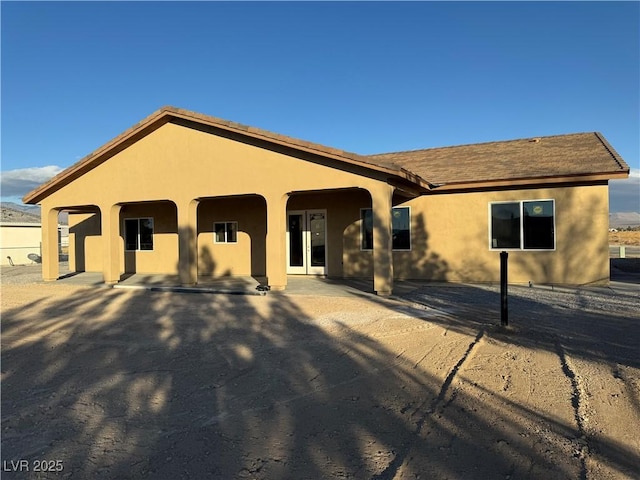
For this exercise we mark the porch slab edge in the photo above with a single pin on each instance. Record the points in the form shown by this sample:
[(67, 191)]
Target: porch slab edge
[(156, 288)]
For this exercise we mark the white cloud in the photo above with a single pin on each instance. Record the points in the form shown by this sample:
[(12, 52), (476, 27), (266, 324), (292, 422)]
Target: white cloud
[(17, 183), (624, 195)]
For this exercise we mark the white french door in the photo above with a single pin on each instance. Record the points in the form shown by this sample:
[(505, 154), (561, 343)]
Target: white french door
[(306, 242)]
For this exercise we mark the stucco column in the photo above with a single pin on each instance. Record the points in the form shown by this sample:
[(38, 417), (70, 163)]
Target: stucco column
[(187, 242), (381, 206), (110, 219), (276, 242), (50, 255)]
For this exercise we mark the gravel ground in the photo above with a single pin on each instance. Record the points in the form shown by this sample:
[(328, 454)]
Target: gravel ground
[(522, 299), (119, 384), (26, 274)]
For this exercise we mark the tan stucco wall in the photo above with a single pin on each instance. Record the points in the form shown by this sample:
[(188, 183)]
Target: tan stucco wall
[(451, 239), (163, 257), (179, 164), (19, 241), (85, 243), (247, 256)]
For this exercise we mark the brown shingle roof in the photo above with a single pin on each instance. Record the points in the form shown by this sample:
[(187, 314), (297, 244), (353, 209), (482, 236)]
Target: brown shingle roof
[(579, 154)]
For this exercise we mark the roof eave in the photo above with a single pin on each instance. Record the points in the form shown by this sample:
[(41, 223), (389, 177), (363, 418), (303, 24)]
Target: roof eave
[(616, 156), (560, 179)]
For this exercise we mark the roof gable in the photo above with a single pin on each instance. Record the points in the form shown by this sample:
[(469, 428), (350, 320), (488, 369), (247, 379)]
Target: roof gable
[(185, 117)]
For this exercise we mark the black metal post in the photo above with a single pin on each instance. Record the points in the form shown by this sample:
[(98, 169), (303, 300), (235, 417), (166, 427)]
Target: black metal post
[(504, 304)]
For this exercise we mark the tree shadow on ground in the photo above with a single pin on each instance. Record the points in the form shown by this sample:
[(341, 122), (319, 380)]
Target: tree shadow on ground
[(591, 327), (583, 320), (136, 384)]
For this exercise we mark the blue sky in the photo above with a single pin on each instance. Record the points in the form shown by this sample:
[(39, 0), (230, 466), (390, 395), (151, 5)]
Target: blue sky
[(367, 77)]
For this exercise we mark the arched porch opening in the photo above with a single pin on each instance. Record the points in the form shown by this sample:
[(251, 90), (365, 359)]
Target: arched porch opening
[(231, 237), (323, 232)]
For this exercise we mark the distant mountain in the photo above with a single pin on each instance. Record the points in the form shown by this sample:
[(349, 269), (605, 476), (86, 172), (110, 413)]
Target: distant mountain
[(20, 207), (16, 212), (13, 215), (624, 219)]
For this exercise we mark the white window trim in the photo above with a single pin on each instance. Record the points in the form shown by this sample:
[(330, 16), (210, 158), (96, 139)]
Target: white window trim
[(225, 242), (521, 248), (153, 233), (393, 249)]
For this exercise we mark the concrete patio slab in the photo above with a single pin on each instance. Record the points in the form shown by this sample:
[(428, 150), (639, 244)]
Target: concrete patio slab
[(303, 285), (243, 285)]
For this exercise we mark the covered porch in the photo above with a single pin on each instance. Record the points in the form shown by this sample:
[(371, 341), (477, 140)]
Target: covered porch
[(217, 240)]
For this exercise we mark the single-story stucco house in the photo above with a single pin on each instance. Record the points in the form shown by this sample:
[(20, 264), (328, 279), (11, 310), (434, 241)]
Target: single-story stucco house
[(188, 194)]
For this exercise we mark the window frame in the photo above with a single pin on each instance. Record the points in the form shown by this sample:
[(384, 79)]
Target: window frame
[(226, 240), (408, 207), (138, 243), (522, 248)]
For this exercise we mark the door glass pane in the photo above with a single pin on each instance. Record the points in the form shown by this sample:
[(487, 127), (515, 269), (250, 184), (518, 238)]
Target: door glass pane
[(146, 234), (131, 234), (295, 241), (316, 229)]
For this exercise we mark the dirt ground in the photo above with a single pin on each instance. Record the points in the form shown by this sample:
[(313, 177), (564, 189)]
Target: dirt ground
[(625, 238), (105, 383)]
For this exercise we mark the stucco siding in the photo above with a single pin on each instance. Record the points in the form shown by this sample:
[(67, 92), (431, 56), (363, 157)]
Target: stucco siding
[(85, 243), (18, 241), (86, 253), (179, 163), (246, 256), (163, 258), (451, 239)]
